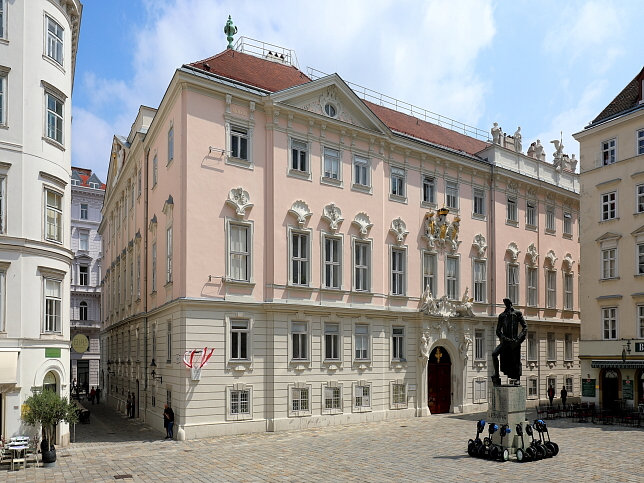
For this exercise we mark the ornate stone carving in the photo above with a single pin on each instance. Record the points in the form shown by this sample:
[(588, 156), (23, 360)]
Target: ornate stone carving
[(399, 229), (513, 186), (239, 199), (496, 133), (551, 258), (363, 223), (440, 233), (443, 307), (533, 255), (514, 251), (332, 214), (423, 348), (480, 243), (300, 210), (568, 262), (518, 146)]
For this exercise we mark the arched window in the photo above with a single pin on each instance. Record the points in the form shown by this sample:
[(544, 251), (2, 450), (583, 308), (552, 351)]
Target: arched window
[(49, 382), (83, 311)]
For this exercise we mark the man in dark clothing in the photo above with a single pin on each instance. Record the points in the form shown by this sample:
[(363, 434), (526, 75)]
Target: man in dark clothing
[(168, 421), (551, 393), (564, 396), (132, 406), (510, 339)]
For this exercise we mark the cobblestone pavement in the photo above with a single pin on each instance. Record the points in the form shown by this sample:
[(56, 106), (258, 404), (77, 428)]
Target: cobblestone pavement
[(418, 449)]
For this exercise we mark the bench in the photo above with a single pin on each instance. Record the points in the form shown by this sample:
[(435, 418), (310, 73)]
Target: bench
[(83, 413)]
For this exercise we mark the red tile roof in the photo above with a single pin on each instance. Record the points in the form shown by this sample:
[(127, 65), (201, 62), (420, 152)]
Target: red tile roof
[(265, 74)]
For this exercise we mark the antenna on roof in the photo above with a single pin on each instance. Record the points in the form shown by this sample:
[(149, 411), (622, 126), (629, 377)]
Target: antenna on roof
[(230, 30)]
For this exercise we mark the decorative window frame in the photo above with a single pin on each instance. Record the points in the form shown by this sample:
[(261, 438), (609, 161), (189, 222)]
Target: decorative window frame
[(332, 236), (369, 243), (609, 241), (601, 206), (608, 149), (485, 281), (335, 385), (365, 188), (55, 275), (530, 381), (639, 137), (296, 173), (603, 319), (517, 267), (3, 22), (434, 254), (551, 343), (527, 286), (512, 198), (398, 362), (354, 386), (4, 268), (250, 225), (170, 140), (59, 64), (397, 405), (403, 249), (50, 90), (568, 357), (400, 198), (481, 361), (240, 386), (339, 182), (567, 215), (4, 88), (332, 364), (239, 365), (453, 209), (456, 256), (306, 231), (300, 413), (475, 215), (483, 393), (535, 204), (550, 207), (362, 363), (231, 122), (305, 363), (432, 175), (60, 192), (532, 361)]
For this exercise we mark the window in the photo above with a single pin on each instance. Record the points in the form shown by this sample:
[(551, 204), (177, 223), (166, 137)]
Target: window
[(531, 213), (640, 315), (362, 261), (154, 266), (532, 347), (299, 332), (240, 402), (299, 399), (480, 281), (609, 263), (239, 252), (3, 203), (361, 397), (568, 347), (361, 171), (168, 254), (332, 262), (300, 258), (550, 219), (330, 110), (567, 224), (54, 40), (3, 16), (551, 346), (640, 195), (54, 216), (53, 300), (480, 390), (640, 258), (299, 156), (533, 388), (239, 142), (154, 341), (139, 182), (479, 201), (83, 211), (361, 342), (155, 171), (170, 144), (568, 285), (479, 345), (398, 343), (3, 296), (332, 398), (131, 278), (398, 395), (54, 118), (451, 194), (83, 241), (451, 276), (429, 189), (429, 272), (3, 88), (168, 343), (397, 271), (83, 275), (608, 152), (609, 206), (513, 283), (551, 287), (609, 322), (640, 140), (82, 311), (531, 275), (239, 330), (512, 209), (138, 275), (569, 385), (398, 182), (331, 163), (331, 341), (552, 381)]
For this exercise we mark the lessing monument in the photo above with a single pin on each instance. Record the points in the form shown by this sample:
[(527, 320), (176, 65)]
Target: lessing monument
[(508, 401)]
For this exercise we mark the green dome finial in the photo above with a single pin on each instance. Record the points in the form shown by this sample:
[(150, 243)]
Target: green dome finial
[(230, 30)]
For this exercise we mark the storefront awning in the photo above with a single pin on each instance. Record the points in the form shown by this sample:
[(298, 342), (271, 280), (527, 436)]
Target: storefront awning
[(8, 367), (616, 364)]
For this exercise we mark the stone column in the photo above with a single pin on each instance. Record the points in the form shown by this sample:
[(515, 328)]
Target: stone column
[(422, 409)]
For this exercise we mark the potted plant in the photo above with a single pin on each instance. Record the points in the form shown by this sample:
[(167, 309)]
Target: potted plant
[(47, 409)]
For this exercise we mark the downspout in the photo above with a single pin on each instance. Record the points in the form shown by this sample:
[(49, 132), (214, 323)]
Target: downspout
[(145, 271), (492, 243)]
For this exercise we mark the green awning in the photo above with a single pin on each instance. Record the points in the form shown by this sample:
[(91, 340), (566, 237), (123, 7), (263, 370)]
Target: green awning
[(613, 364)]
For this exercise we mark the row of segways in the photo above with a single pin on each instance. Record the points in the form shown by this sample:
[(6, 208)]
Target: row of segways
[(537, 449)]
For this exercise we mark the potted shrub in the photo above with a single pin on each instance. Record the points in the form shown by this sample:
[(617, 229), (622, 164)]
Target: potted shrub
[(46, 409)]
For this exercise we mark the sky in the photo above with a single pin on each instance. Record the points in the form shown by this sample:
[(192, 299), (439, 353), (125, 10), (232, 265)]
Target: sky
[(547, 66)]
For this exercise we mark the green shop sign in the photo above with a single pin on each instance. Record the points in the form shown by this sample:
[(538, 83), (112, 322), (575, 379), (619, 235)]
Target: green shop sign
[(52, 351), (627, 389), (588, 387)]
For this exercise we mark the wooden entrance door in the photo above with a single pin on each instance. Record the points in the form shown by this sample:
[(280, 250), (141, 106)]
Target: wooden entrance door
[(610, 388), (439, 386)]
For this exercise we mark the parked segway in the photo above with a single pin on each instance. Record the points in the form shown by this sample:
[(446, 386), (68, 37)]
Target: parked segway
[(504, 453), (539, 451), (523, 453), (542, 427), (491, 449), (474, 445)]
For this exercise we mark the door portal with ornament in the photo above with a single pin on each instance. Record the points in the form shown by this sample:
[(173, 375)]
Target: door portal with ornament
[(439, 372)]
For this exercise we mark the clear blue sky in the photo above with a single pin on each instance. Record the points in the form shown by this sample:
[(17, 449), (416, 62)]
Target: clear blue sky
[(547, 66)]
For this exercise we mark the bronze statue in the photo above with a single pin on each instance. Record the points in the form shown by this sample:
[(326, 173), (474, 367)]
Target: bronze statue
[(509, 348)]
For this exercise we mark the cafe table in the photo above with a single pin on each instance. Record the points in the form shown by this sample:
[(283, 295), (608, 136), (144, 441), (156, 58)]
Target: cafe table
[(18, 455)]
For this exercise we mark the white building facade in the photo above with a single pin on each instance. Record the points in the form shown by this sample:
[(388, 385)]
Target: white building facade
[(38, 44)]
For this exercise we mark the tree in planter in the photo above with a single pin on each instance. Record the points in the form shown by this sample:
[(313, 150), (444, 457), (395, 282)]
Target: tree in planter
[(47, 409)]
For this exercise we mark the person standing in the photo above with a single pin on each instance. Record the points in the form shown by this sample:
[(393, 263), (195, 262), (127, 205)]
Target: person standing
[(128, 404), (564, 396), (92, 394), (132, 406), (551, 393), (98, 395), (168, 421)]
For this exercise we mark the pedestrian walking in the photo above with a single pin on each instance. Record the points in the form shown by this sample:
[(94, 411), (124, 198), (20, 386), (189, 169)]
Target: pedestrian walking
[(551, 393), (168, 421), (132, 406), (98, 395), (128, 405), (92, 395), (564, 396)]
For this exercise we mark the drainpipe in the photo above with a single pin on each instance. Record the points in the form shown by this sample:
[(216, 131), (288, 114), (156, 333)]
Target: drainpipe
[(145, 272), (492, 243)]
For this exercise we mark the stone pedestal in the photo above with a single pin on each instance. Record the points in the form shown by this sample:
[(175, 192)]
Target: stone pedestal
[(507, 406)]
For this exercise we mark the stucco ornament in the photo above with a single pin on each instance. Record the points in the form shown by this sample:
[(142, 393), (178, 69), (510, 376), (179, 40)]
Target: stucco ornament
[(363, 223), (300, 210), (443, 307), (399, 229), (239, 199), (533, 255), (423, 347), (464, 347), (332, 214), (551, 258), (480, 243), (568, 262), (439, 232), (514, 251)]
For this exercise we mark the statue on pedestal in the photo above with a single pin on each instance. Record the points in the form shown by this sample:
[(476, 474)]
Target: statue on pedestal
[(509, 348), (496, 133)]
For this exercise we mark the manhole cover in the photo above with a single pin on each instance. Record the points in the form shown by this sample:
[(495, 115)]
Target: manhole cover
[(122, 477)]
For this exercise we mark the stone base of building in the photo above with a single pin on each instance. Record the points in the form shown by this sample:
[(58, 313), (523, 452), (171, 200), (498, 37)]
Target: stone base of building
[(507, 406)]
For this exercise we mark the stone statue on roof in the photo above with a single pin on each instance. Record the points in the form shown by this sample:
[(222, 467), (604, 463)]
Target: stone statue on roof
[(496, 133), (517, 140)]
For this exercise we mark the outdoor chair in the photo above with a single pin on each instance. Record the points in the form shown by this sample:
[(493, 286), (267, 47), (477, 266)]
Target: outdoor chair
[(5, 455), (31, 454)]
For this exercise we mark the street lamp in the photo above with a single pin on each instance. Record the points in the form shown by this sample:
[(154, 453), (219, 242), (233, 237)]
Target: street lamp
[(626, 349), (153, 374)]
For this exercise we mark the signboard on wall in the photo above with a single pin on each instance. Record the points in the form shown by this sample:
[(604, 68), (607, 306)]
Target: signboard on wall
[(52, 351), (588, 387), (627, 389), (80, 343)]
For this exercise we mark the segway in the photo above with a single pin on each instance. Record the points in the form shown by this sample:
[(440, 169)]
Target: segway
[(504, 453), (474, 445), (490, 449), (542, 427), (539, 451), (523, 453)]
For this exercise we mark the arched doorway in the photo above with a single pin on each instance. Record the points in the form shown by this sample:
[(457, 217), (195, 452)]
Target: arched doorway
[(49, 382), (439, 373), (610, 387)]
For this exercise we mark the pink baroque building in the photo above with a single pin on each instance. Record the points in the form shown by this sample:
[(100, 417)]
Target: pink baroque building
[(345, 260)]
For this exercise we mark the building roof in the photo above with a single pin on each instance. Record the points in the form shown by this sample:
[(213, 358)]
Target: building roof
[(85, 176), (630, 97), (275, 76)]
